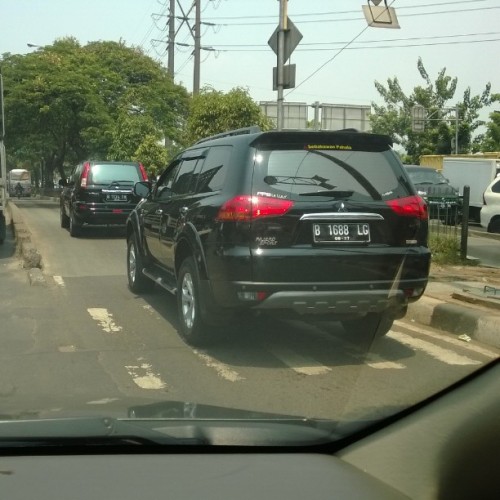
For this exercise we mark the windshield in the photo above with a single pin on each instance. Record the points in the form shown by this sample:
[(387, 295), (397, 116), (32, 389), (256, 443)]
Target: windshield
[(105, 174), (359, 175), (426, 176), (280, 278), (19, 175)]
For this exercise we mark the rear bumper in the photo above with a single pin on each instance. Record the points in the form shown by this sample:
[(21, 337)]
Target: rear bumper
[(101, 215), (321, 298)]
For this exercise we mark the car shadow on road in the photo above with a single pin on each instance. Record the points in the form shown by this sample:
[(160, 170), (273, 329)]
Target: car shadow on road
[(265, 342), (102, 233)]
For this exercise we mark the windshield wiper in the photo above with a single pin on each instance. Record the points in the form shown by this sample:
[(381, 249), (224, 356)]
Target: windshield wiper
[(329, 192), (367, 185), (124, 181)]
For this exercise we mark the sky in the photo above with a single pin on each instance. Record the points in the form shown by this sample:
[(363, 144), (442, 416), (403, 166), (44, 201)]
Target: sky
[(338, 59)]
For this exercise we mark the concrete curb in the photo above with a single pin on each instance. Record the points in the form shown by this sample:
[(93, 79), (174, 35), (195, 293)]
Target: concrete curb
[(29, 254), (479, 324)]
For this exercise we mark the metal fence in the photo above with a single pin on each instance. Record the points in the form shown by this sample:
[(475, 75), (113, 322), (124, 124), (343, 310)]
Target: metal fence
[(451, 219)]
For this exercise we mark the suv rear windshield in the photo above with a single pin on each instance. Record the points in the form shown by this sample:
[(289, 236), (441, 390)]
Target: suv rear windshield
[(426, 176), (304, 172), (107, 173)]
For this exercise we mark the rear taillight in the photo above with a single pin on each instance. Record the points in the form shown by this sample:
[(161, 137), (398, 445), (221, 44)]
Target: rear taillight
[(144, 174), (247, 208), (85, 175), (411, 206)]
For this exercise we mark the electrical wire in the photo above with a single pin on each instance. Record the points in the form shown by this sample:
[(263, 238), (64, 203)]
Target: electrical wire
[(321, 14)]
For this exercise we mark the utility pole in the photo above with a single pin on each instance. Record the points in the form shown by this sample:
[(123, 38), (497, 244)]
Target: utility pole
[(282, 27), (3, 166), (171, 38), (197, 48)]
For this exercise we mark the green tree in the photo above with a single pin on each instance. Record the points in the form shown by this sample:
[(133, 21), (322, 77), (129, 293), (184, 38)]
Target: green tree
[(65, 103), (491, 139), (152, 155), (394, 117), (213, 112)]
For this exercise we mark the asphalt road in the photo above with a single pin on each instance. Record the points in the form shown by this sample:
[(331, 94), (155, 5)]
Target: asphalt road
[(485, 249), (83, 343)]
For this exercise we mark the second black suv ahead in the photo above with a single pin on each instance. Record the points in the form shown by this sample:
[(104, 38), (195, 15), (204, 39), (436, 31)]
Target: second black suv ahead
[(442, 198), (313, 224), (99, 193)]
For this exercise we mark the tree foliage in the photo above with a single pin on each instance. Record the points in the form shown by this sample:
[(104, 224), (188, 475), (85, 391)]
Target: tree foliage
[(491, 139), (394, 117), (65, 103), (213, 112)]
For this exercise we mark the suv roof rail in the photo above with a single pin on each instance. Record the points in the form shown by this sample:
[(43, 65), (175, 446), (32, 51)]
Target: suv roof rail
[(239, 131)]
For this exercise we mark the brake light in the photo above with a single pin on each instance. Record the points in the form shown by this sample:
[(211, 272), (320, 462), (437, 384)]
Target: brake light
[(143, 172), (247, 208), (410, 206), (85, 175)]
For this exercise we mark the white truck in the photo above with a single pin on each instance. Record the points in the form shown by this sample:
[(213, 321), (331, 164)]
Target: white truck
[(477, 173)]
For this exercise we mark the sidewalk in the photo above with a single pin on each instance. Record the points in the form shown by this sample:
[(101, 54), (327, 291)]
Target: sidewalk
[(470, 309), (462, 303)]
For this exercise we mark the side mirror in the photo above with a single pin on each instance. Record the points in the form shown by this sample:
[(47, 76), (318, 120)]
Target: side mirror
[(63, 182), (142, 189)]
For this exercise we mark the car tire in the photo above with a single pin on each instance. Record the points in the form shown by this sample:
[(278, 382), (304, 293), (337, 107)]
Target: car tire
[(75, 228), (197, 324), (494, 226), (374, 325), (137, 282), (64, 218)]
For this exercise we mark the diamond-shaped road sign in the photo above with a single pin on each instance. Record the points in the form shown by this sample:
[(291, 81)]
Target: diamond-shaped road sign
[(292, 38)]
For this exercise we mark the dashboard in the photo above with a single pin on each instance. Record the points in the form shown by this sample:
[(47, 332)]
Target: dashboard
[(447, 447)]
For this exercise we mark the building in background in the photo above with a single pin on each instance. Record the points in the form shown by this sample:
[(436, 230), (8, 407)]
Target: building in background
[(324, 116)]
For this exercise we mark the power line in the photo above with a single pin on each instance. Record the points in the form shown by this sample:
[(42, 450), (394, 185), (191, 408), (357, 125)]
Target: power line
[(332, 58), (342, 20), (336, 13), (264, 47)]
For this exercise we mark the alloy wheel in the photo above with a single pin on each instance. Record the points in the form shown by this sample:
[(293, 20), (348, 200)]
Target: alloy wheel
[(188, 301)]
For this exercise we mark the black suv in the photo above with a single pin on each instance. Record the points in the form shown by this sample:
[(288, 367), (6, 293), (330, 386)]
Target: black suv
[(99, 193), (442, 198), (314, 224)]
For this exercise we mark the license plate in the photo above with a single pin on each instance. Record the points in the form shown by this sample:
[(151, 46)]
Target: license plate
[(349, 232), (116, 197)]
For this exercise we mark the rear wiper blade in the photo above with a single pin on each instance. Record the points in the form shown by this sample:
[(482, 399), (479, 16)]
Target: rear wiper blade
[(125, 181), (329, 192)]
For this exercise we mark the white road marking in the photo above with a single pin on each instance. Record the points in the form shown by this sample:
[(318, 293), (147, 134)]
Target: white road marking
[(105, 319), (450, 340), (298, 363), (102, 401), (222, 369), (437, 352), (144, 377), (66, 348), (59, 280), (375, 361)]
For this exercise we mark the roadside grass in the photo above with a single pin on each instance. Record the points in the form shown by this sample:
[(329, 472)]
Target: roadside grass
[(445, 248)]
